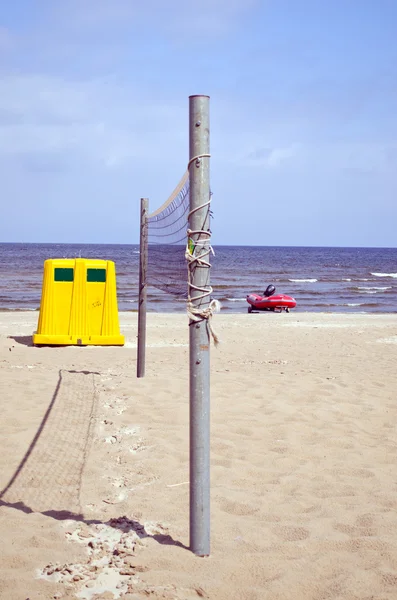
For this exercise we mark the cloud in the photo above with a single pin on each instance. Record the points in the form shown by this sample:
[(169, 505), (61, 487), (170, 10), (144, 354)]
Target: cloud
[(347, 157), (271, 157), (178, 17), (109, 123), (88, 120), (53, 161), (361, 158)]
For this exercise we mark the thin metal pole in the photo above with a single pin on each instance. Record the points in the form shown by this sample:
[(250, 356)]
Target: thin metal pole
[(199, 354), (143, 257)]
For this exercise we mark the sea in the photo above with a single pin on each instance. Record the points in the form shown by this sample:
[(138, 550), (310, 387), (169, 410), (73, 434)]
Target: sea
[(333, 280)]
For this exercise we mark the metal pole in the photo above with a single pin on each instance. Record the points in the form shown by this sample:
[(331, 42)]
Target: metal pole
[(199, 355), (143, 257)]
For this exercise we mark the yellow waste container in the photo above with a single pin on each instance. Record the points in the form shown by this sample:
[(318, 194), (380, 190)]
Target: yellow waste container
[(79, 304)]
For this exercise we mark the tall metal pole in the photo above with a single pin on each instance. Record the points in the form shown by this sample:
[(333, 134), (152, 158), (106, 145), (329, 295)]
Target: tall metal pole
[(199, 354), (143, 257)]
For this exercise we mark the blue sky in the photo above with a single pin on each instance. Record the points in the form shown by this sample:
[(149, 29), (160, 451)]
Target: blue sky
[(94, 115)]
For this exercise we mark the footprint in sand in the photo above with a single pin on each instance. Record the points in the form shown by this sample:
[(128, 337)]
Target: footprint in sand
[(280, 449), (115, 404), (124, 432), (138, 446), (222, 462), (111, 439), (237, 508), (389, 579), (362, 527), (292, 534)]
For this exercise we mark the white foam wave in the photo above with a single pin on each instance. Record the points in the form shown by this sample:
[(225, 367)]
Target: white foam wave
[(347, 279), (386, 287), (354, 304), (236, 299), (303, 280), (373, 290), (394, 275)]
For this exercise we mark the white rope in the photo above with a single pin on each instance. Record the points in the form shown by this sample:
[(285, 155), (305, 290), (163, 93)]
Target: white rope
[(199, 314), (197, 159), (194, 312)]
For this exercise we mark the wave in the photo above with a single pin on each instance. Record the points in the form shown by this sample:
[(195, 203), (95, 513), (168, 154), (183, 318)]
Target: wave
[(331, 304), (23, 309), (374, 290), (308, 293), (235, 299), (370, 304), (361, 289), (319, 304), (303, 280), (394, 275)]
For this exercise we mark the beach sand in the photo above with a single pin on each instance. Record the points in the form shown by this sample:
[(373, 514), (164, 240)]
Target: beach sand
[(94, 462)]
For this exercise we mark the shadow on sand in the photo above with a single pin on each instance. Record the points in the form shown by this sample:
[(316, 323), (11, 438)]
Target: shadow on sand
[(124, 523), (25, 340), (51, 470)]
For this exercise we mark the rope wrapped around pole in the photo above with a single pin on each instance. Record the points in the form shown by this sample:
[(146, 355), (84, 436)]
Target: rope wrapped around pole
[(195, 313)]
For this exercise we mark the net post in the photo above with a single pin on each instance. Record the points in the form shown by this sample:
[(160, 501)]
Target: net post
[(143, 258), (199, 343)]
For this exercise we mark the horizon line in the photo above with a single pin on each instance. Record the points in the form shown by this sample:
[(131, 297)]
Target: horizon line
[(215, 245)]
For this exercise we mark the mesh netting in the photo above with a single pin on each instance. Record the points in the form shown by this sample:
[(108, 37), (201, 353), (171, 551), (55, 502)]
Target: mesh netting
[(167, 234)]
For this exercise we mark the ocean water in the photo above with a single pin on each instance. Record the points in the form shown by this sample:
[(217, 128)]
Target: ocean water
[(320, 279)]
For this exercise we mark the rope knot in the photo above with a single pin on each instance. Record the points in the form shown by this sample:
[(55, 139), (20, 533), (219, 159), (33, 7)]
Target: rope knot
[(197, 314)]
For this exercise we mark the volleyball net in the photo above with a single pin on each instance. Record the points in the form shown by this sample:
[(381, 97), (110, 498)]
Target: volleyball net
[(175, 251), (167, 238)]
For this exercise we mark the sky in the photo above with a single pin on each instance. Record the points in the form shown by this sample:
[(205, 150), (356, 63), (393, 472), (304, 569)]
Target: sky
[(303, 96)]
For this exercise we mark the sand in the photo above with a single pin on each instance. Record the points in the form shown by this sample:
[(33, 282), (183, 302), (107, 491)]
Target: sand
[(94, 462)]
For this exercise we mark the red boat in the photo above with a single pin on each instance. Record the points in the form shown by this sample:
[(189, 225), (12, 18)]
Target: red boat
[(270, 302)]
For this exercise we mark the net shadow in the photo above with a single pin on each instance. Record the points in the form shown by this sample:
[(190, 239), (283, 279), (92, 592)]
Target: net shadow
[(49, 476)]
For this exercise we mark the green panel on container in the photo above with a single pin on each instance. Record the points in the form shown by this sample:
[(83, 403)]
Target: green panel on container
[(63, 274), (96, 275)]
